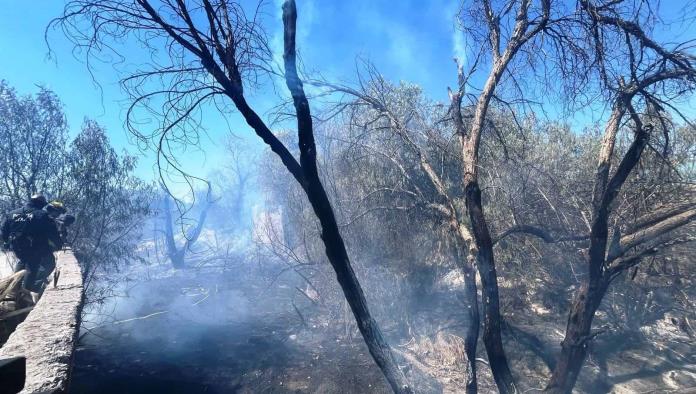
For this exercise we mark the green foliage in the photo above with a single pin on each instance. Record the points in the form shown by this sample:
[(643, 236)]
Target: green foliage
[(95, 182), (533, 172), (110, 202), (33, 131)]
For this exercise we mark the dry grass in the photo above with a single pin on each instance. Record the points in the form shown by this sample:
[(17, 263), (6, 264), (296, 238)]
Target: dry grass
[(444, 357)]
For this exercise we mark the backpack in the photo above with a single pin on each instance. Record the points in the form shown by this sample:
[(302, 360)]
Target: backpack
[(20, 238)]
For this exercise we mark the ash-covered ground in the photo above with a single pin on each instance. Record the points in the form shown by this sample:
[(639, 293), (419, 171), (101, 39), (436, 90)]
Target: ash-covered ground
[(225, 330), (202, 331)]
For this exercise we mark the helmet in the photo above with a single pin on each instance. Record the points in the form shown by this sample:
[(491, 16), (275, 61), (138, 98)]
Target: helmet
[(55, 209), (38, 200), (57, 206)]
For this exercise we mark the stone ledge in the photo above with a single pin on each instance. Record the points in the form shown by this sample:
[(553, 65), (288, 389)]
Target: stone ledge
[(48, 336)]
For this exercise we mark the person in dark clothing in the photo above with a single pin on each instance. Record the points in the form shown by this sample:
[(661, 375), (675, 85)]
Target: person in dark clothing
[(64, 221), (33, 237), (60, 215)]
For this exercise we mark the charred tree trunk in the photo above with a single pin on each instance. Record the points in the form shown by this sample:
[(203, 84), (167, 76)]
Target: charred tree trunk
[(330, 234), (600, 274), (465, 254), (338, 257), (492, 338), (470, 142), (173, 253), (466, 265), (578, 334)]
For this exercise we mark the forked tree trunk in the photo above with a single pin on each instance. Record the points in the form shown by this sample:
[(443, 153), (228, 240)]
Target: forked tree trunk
[(472, 332), (177, 255), (470, 144), (492, 338), (465, 255), (590, 295)]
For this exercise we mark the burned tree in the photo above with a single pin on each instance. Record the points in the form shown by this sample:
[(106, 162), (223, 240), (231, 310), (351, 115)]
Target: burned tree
[(213, 51), (595, 50), (177, 254), (651, 77), (641, 78), (525, 27), (420, 172)]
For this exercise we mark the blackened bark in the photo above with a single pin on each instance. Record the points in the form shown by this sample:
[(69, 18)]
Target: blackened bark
[(305, 171), (470, 144), (465, 262), (489, 293), (330, 234), (578, 334), (591, 293), (338, 257), (472, 332), (175, 255)]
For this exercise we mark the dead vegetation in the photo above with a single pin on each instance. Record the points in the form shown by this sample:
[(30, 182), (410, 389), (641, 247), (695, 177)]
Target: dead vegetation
[(561, 237)]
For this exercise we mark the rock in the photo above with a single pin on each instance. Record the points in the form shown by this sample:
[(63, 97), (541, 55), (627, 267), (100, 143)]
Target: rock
[(48, 336)]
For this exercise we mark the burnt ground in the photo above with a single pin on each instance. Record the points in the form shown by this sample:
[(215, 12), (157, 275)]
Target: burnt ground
[(231, 359), (196, 332), (214, 338)]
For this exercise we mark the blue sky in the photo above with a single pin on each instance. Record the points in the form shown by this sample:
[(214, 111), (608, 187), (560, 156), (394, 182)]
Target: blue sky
[(407, 40)]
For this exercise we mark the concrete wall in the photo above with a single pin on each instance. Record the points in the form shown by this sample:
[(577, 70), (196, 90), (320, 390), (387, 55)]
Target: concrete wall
[(48, 336)]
